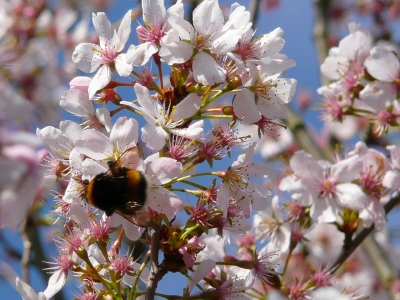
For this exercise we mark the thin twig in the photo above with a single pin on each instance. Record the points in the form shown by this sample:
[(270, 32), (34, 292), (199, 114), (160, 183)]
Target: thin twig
[(27, 246)]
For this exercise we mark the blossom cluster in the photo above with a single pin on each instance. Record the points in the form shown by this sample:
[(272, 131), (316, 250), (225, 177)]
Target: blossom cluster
[(214, 57), (365, 81), (142, 166)]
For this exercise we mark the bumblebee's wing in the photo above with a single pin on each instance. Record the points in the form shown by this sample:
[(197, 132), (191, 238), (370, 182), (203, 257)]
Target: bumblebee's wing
[(130, 159), (139, 218)]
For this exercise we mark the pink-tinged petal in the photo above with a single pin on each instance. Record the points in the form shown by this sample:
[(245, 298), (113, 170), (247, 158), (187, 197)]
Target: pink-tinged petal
[(77, 103), (208, 18), (154, 12), (103, 115), (347, 169), (82, 57), (245, 107), (71, 129), (203, 269), (223, 196), (176, 53), (164, 201), (391, 180), (103, 28), (122, 67), (100, 80), (140, 55), (132, 231), (301, 161), (394, 155), (352, 196), (125, 133), (77, 211), (80, 83), (94, 144), (163, 170), (154, 136), (355, 45), (206, 70), (124, 31), (25, 290), (187, 107), (56, 283), (270, 109), (383, 64)]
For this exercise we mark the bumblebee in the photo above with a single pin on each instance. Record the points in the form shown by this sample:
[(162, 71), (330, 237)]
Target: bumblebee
[(121, 189)]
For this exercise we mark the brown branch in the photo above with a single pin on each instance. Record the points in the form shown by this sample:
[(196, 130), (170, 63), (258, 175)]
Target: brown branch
[(254, 9), (349, 249), (156, 272)]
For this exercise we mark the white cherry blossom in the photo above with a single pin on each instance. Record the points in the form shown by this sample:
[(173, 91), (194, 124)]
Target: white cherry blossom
[(161, 120), (108, 55), (207, 33), (325, 187)]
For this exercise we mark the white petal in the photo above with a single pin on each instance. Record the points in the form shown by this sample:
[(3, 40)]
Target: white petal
[(163, 170), (245, 108), (122, 67), (124, 31), (347, 169), (56, 283), (194, 131), (154, 12), (125, 133), (223, 195), (208, 18), (351, 196), (187, 107), (382, 64), (154, 136), (163, 201), (25, 290), (184, 28), (140, 55), (103, 28), (83, 55), (206, 70), (100, 80), (95, 145), (391, 180), (204, 268), (176, 53)]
